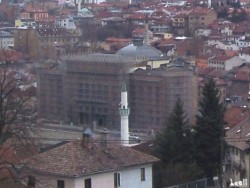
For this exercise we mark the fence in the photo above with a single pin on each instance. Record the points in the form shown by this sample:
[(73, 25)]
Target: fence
[(202, 183)]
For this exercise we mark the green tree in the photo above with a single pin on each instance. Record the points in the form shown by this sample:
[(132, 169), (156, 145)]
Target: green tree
[(209, 130), (174, 146), (172, 142)]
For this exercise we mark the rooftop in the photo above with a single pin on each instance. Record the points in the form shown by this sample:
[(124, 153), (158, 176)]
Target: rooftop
[(75, 159)]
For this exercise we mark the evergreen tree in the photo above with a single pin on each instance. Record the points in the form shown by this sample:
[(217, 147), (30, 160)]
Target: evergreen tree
[(209, 130), (172, 142)]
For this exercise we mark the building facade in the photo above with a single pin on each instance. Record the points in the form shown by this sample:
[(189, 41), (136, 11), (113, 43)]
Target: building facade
[(201, 17), (6, 40), (86, 90), (153, 94)]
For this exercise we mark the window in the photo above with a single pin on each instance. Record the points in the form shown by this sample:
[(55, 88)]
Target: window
[(117, 180), (87, 183), (31, 181), (60, 184), (143, 178)]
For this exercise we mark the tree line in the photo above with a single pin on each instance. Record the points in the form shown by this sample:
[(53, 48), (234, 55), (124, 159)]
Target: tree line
[(191, 152)]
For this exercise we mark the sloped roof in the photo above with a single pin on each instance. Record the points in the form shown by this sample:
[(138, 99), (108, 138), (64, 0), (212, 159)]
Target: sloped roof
[(220, 58), (239, 135), (74, 159), (235, 114)]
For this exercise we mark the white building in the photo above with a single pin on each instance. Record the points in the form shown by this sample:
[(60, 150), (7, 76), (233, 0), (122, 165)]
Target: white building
[(90, 164), (243, 42), (224, 62), (244, 54), (66, 22), (6, 40)]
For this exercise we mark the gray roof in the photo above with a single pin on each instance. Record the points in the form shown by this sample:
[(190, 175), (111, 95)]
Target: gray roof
[(147, 51)]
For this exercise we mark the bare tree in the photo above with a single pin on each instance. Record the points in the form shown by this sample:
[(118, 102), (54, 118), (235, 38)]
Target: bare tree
[(16, 120)]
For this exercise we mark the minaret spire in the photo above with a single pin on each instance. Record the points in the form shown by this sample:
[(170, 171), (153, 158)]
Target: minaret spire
[(124, 113)]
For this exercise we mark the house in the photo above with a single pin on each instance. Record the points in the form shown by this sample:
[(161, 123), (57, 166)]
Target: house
[(243, 42), (66, 22), (224, 62), (201, 17), (90, 164), (113, 21), (237, 157), (25, 23), (239, 81), (244, 54), (34, 12), (6, 39)]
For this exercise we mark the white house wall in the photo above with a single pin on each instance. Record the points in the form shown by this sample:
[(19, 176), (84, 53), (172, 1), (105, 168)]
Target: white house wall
[(233, 62), (130, 178), (245, 57)]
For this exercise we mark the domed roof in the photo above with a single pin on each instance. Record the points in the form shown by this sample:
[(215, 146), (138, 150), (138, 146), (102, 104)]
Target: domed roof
[(144, 50), (85, 12)]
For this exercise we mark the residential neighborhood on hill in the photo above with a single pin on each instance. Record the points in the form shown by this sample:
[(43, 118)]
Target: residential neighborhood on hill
[(89, 88)]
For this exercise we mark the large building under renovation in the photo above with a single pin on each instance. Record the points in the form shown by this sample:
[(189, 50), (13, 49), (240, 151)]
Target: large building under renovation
[(85, 90), (153, 93)]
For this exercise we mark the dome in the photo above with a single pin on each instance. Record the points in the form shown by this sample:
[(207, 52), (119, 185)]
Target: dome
[(147, 51), (85, 12)]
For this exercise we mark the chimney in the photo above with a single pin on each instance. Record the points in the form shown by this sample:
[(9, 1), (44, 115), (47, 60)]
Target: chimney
[(104, 138), (86, 135)]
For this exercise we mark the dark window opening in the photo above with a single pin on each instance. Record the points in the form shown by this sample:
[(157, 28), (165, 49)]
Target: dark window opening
[(117, 180), (87, 183), (143, 177), (31, 181), (60, 184)]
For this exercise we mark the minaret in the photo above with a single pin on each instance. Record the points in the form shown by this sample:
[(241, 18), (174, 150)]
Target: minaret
[(124, 113), (209, 4), (79, 3), (146, 41)]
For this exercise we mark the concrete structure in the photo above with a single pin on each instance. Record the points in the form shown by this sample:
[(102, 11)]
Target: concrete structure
[(153, 93), (85, 90), (124, 113)]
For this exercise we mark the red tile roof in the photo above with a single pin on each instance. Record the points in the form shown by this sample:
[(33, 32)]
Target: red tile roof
[(245, 50), (200, 11), (73, 159), (241, 76), (239, 135), (137, 16), (222, 58), (234, 115), (119, 40)]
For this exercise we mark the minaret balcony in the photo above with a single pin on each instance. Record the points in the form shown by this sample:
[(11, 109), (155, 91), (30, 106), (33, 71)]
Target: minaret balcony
[(124, 111)]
